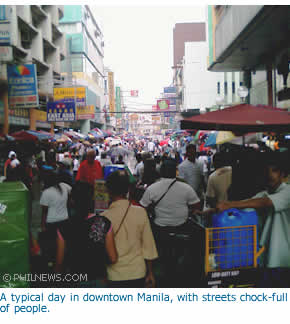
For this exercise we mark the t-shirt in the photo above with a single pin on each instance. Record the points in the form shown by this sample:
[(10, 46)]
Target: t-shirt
[(89, 252), (219, 183), (192, 173), (56, 202), (76, 164), (275, 227), (89, 172), (134, 241), (172, 210)]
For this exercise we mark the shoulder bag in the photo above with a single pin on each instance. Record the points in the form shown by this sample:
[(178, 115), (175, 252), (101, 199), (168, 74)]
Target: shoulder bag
[(151, 207)]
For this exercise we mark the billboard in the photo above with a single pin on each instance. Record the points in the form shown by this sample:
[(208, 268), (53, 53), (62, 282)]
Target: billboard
[(111, 92), (22, 86), (118, 102), (134, 93), (5, 33), (85, 112), (163, 104), (77, 94), (170, 90), (60, 111)]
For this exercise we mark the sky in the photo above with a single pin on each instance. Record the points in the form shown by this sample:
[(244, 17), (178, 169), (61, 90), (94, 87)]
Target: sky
[(139, 46)]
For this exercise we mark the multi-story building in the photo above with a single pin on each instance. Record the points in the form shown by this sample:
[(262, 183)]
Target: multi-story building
[(84, 65), (253, 40), (35, 38), (197, 88)]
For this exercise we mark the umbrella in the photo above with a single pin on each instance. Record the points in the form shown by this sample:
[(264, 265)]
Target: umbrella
[(24, 136), (7, 137), (63, 138), (219, 137), (164, 142), (40, 135), (242, 118)]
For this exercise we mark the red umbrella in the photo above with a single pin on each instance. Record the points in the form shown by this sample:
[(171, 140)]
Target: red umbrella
[(24, 136), (242, 118), (164, 142)]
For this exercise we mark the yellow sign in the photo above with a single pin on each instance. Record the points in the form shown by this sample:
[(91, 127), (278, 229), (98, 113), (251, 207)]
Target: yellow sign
[(67, 94), (40, 115), (111, 92), (85, 112)]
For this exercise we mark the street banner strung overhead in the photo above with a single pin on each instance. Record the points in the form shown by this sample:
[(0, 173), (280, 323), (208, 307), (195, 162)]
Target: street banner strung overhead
[(60, 111), (22, 86), (77, 94)]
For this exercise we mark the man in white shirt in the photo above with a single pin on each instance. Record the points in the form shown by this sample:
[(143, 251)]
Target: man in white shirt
[(192, 171), (174, 208), (273, 207)]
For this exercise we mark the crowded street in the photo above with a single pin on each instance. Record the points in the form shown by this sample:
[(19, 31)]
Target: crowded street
[(144, 147)]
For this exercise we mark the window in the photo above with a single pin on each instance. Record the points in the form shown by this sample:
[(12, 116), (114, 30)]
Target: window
[(241, 84), (226, 88), (234, 87), (218, 88)]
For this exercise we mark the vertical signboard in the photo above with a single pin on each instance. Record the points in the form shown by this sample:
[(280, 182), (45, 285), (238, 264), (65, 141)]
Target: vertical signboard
[(22, 86), (4, 25), (111, 92), (118, 102)]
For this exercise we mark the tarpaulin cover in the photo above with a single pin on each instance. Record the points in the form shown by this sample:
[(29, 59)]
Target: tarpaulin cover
[(14, 234)]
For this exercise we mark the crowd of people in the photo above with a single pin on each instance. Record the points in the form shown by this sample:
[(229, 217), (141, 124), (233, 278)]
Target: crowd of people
[(176, 187)]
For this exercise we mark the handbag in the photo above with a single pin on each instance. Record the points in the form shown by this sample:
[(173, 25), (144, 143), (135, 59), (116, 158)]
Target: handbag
[(151, 207)]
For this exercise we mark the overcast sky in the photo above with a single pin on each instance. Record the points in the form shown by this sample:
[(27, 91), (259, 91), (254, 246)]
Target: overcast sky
[(139, 46)]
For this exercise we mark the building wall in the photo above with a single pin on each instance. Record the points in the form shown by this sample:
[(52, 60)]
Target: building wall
[(200, 84), (231, 23), (186, 32)]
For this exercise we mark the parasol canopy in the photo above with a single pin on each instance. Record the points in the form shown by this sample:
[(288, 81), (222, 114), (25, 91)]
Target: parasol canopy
[(241, 118)]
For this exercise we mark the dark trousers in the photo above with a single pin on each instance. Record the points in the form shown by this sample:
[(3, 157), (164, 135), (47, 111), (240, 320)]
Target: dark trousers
[(136, 283)]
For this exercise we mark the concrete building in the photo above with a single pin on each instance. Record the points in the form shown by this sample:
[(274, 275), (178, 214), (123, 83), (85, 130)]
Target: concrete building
[(35, 38), (255, 41), (198, 88), (84, 66)]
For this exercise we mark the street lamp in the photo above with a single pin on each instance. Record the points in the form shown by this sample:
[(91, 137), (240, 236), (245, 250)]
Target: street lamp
[(219, 101), (242, 92)]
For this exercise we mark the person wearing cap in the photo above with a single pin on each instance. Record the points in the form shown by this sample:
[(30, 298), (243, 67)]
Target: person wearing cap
[(8, 161), (64, 171)]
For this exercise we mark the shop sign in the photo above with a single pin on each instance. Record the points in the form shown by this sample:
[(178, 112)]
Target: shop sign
[(60, 111), (22, 86)]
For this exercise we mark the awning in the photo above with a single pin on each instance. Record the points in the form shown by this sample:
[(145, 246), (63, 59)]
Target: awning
[(242, 118)]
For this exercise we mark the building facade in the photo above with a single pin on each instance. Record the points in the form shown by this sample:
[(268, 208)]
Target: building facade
[(34, 37), (253, 40), (84, 65)]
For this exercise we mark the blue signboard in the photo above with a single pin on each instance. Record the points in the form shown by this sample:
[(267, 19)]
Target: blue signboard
[(60, 111), (170, 90), (166, 114), (22, 86)]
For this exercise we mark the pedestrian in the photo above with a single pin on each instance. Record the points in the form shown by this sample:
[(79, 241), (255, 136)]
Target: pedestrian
[(133, 238), (89, 171), (191, 171), (273, 207), (54, 222), (219, 181)]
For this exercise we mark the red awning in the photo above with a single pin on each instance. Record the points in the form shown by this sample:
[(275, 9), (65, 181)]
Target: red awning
[(242, 118)]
